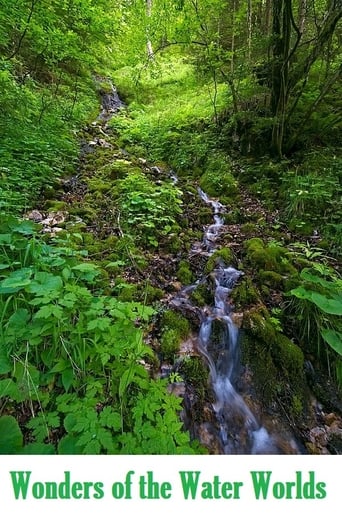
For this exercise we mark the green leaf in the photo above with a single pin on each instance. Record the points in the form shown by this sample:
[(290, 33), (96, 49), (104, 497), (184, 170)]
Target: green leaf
[(5, 363), (330, 306), (67, 378), (11, 438), (49, 311), (38, 448), (45, 283), (16, 281), (334, 339), (110, 419), (101, 324), (68, 445)]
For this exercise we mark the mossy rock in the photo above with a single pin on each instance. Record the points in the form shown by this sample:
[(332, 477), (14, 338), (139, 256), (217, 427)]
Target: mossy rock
[(172, 320), (202, 295), (245, 294), (289, 357), (271, 279), (170, 344), (128, 293), (224, 255), (141, 293), (278, 363), (205, 215), (254, 244), (218, 181), (195, 373), (173, 243), (269, 258), (98, 185), (257, 322), (149, 294), (184, 273)]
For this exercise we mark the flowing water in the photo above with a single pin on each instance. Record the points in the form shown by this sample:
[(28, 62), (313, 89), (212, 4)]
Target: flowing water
[(238, 429)]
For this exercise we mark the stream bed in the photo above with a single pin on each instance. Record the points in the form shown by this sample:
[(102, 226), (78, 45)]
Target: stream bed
[(237, 429)]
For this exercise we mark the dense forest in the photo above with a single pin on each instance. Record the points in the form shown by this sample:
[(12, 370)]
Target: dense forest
[(170, 227)]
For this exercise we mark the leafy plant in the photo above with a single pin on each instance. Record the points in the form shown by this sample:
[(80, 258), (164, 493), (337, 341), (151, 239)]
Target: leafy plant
[(65, 347), (317, 304), (149, 211)]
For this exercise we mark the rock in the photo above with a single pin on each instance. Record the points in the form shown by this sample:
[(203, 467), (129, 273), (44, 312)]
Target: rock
[(318, 436), (35, 216), (177, 389)]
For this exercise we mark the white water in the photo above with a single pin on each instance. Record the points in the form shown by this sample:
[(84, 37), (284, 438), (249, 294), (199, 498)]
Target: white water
[(239, 430)]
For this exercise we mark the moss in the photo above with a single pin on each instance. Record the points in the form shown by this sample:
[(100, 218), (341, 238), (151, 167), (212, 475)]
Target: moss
[(175, 321), (257, 322), (56, 206), (271, 279), (150, 294), (253, 244), (138, 292), (128, 293), (269, 258), (175, 328), (173, 243), (245, 294), (205, 215), (99, 185), (277, 363), (248, 228), (224, 255), (218, 184), (201, 296), (170, 343), (196, 374), (184, 273), (289, 357)]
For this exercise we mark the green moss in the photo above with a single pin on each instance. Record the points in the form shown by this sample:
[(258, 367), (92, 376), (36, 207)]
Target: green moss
[(56, 206), (205, 215), (173, 243), (224, 255), (170, 343), (175, 321), (175, 328), (184, 273), (219, 183), (253, 244), (99, 185), (245, 294), (289, 357), (138, 292), (196, 373), (201, 296), (248, 228), (128, 293), (276, 362), (271, 279), (269, 258), (150, 294)]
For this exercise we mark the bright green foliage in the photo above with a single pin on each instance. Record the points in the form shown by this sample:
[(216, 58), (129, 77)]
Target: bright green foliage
[(48, 52), (149, 211), (66, 348), (317, 303)]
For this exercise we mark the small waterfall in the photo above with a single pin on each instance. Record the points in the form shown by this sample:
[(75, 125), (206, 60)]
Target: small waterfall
[(239, 431)]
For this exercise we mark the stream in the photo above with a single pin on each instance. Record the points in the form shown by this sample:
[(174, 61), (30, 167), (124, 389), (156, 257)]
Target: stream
[(238, 431), (233, 419)]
